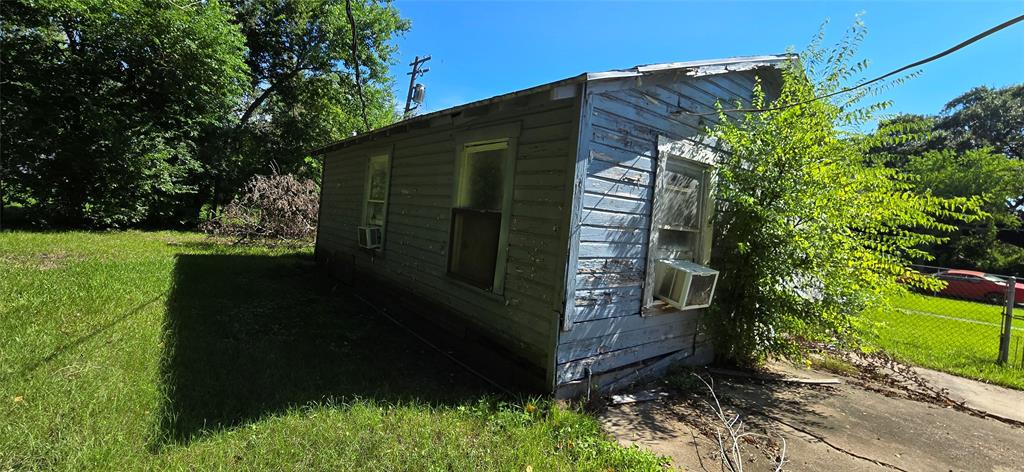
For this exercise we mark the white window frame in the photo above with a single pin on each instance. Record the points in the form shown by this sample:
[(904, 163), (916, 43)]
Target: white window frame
[(674, 156), (488, 139), (387, 193)]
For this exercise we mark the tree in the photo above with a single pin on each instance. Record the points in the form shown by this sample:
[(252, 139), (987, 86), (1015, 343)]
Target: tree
[(117, 113), (992, 178), (809, 232), (985, 117), (102, 103), (980, 118), (302, 90), (974, 147)]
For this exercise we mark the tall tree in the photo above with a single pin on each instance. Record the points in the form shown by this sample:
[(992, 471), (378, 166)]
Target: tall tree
[(984, 117), (973, 148), (103, 101), (125, 111), (978, 173), (302, 89)]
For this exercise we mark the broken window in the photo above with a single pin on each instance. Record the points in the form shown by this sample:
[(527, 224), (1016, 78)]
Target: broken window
[(480, 214)]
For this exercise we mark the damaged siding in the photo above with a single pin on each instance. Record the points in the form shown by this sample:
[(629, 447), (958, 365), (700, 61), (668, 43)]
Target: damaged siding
[(415, 255), (621, 122)]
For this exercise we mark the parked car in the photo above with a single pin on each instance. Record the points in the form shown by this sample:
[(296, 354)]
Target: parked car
[(973, 285)]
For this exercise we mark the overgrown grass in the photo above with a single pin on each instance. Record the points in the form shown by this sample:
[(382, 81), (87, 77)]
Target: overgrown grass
[(830, 363), (955, 336), (129, 351)]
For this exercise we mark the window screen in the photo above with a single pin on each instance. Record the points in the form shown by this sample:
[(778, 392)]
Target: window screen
[(481, 198)]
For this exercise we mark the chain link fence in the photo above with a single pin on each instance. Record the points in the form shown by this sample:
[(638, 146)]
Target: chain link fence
[(970, 327)]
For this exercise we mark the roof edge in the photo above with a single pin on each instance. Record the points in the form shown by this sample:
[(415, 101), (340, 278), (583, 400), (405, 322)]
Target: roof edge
[(446, 111), (709, 66), (694, 68)]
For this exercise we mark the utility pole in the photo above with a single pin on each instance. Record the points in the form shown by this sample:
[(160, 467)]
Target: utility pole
[(416, 72)]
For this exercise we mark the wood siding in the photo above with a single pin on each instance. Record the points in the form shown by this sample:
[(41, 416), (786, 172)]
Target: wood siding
[(525, 319), (621, 122)]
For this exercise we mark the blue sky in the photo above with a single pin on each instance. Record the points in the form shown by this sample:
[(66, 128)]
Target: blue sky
[(481, 49)]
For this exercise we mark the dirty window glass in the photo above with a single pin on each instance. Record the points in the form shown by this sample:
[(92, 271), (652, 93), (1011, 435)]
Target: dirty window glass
[(680, 198), (483, 176), (377, 175)]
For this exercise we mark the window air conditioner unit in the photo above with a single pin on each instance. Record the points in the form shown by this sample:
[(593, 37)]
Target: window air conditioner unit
[(370, 237), (684, 284)]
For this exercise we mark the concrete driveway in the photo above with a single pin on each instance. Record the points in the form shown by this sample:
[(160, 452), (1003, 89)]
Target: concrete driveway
[(834, 427)]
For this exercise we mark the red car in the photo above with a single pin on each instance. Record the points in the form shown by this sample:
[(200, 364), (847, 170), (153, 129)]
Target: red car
[(973, 285)]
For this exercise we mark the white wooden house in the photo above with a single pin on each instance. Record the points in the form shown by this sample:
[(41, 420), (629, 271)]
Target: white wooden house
[(569, 222)]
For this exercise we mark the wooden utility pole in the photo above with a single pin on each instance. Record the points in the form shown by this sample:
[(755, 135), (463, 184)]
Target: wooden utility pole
[(416, 72)]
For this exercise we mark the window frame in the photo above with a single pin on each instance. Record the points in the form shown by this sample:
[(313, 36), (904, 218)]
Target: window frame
[(387, 156), (468, 143), (677, 156)]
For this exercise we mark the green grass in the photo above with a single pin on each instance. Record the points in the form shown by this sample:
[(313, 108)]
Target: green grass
[(950, 307), (955, 336), (143, 351)]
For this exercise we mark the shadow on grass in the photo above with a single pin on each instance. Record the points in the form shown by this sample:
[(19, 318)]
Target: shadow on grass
[(249, 336)]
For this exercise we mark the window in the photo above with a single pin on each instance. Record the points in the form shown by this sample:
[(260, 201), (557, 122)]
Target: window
[(680, 215), (678, 211), (480, 214), (378, 177)]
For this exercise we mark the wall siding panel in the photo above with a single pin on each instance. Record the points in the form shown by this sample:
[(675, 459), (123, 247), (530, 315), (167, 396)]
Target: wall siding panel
[(605, 329), (415, 254)]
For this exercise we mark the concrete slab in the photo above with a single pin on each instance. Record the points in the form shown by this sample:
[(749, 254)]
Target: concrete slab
[(841, 427), (992, 399)]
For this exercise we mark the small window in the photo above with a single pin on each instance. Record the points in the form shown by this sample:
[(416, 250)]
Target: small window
[(480, 214), (375, 205)]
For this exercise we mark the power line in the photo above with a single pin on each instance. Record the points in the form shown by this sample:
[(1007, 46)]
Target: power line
[(947, 52)]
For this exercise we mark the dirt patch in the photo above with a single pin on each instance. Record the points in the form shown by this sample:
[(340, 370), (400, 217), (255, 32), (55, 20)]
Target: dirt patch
[(40, 261)]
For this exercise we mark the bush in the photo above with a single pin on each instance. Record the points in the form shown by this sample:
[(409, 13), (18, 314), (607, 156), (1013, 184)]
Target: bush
[(273, 206), (808, 231)]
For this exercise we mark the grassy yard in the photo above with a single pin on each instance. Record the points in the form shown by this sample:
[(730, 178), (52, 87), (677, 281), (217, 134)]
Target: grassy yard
[(955, 336), (129, 351)]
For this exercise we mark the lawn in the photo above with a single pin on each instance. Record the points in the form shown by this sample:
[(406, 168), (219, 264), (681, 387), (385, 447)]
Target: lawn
[(955, 336), (160, 350)]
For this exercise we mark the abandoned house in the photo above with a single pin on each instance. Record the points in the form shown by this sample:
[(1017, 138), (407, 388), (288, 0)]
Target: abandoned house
[(568, 223)]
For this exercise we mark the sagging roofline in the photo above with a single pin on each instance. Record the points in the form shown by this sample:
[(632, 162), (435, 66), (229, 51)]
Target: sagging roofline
[(692, 68)]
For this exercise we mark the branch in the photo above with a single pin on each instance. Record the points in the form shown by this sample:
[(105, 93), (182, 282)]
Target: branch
[(256, 104), (355, 62), (730, 445)]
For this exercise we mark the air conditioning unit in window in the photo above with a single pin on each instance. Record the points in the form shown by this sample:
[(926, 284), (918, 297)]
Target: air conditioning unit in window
[(370, 237), (684, 284)]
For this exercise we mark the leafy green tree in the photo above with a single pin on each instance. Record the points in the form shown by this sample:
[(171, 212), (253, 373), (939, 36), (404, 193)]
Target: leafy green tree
[(122, 112), (981, 118), (985, 117), (974, 147), (302, 90), (976, 172), (809, 232), (103, 101), (994, 179)]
